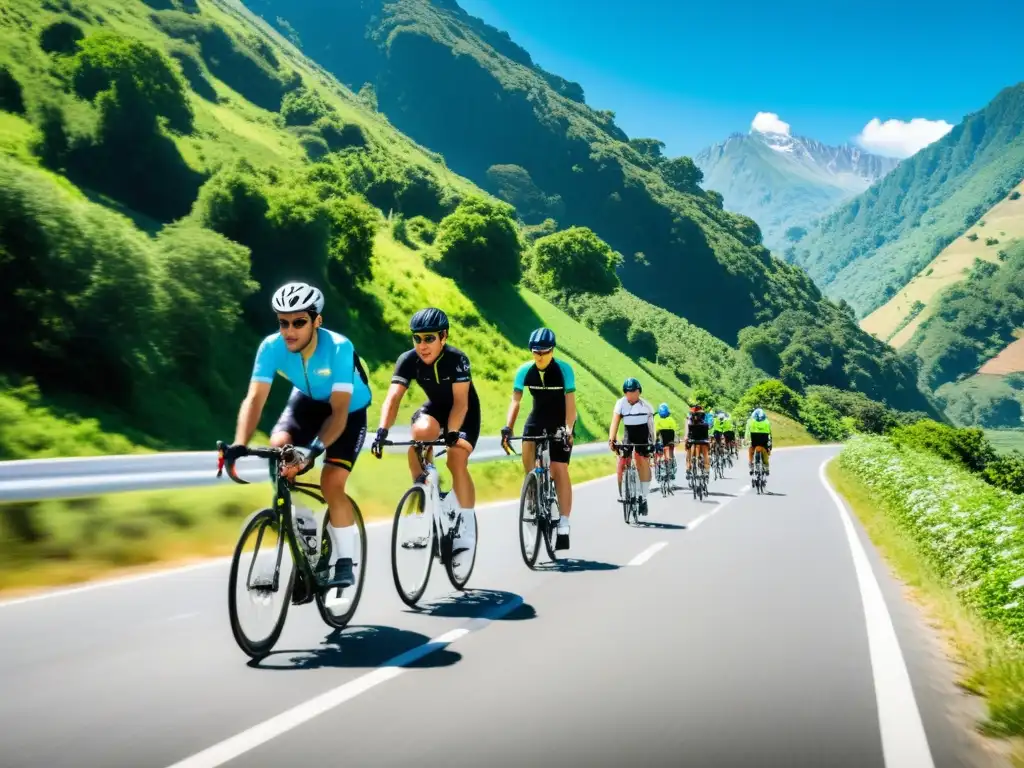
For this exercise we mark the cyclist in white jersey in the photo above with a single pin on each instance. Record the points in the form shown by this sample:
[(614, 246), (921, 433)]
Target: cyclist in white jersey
[(638, 417)]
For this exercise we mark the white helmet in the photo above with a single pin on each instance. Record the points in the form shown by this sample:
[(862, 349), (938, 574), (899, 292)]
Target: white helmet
[(298, 297)]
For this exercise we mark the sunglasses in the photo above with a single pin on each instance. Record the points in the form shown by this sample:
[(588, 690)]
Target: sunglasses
[(301, 322), (429, 338), (543, 351)]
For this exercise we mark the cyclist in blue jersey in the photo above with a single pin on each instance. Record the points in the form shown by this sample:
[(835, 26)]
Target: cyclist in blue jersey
[(552, 385), (325, 414)]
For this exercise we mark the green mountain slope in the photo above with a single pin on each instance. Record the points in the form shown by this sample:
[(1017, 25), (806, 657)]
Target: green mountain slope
[(786, 182), (468, 91), (164, 166), (873, 245)]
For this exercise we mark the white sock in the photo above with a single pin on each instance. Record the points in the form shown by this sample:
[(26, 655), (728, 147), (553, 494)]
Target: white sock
[(644, 485), (563, 524), (341, 541)]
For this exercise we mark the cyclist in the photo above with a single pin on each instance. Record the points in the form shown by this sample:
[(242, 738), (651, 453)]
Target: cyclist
[(718, 427), (665, 426), (452, 408), (758, 434), (326, 411), (729, 429), (553, 388), (638, 417), (697, 429)]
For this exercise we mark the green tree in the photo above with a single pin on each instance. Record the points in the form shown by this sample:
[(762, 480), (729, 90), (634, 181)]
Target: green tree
[(480, 242), (574, 260), (682, 174), (133, 83)]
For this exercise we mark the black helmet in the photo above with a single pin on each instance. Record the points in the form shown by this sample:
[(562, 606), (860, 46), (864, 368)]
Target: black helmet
[(429, 319), (542, 338), (631, 385)]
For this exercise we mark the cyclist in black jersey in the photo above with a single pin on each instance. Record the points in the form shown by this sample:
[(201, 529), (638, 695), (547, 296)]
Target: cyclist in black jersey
[(553, 388), (452, 408), (697, 429)]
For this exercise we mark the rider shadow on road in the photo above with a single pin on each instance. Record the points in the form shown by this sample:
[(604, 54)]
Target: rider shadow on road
[(367, 646), (721, 493), (662, 526), (576, 565), (492, 604)]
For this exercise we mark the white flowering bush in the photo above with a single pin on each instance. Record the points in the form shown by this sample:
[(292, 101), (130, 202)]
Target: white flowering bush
[(972, 532)]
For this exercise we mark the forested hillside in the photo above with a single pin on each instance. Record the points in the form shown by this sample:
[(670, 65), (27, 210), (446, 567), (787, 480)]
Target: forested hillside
[(872, 246), (164, 166), (466, 90)]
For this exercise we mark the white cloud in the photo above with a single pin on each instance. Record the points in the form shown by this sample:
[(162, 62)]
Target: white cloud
[(896, 138), (769, 122)]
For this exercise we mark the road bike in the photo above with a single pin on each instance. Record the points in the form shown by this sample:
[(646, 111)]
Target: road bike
[(759, 480), (538, 502), (717, 459), (698, 477), (630, 492), (297, 542), (427, 521), (663, 474)]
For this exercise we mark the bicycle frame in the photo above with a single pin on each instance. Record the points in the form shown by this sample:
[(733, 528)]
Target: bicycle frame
[(442, 509), (281, 504)]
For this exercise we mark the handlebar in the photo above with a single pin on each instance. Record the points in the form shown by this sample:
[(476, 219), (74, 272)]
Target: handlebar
[(286, 454), (420, 444), (506, 443)]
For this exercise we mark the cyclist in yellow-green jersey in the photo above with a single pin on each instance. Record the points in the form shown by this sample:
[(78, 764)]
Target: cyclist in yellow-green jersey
[(665, 428), (759, 435)]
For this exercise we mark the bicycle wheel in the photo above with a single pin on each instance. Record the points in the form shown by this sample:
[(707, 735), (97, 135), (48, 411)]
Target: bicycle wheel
[(412, 545), (627, 496), (548, 525), (529, 523), (255, 595), (634, 503), (460, 566), (337, 605)]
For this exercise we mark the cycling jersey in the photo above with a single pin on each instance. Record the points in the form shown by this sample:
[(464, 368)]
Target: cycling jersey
[(667, 424), (331, 368), (758, 427), (638, 419), (549, 388), (451, 367), (697, 427), (718, 425)]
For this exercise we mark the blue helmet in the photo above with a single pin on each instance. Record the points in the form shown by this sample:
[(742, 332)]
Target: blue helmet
[(663, 410), (542, 338), (759, 415), (631, 385)]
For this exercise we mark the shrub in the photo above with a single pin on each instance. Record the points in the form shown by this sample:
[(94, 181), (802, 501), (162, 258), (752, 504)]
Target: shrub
[(61, 37), (967, 447), (574, 261), (773, 395), (1015, 195), (1006, 472), (304, 106), (11, 98), (480, 242), (423, 229), (822, 420), (339, 136)]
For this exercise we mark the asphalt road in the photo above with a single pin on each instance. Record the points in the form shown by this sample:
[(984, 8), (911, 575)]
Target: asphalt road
[(741, 631)]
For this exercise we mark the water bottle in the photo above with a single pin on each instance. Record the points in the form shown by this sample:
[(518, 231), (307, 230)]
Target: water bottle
[(306, 528)]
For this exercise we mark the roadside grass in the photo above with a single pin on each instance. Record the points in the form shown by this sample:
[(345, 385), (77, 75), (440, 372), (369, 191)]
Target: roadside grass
[(989, 662), (67, 541), (785, 431)]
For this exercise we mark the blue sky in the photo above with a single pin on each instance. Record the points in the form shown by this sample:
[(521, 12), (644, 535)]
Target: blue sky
[(692, 73)]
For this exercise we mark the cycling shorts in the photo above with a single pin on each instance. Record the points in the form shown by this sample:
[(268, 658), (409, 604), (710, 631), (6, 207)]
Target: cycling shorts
[(470, 424), (556, 450), (760, 439), (691, 442), (730, 436), (718, 435), (667, 436), (303, 417), (639, 434)]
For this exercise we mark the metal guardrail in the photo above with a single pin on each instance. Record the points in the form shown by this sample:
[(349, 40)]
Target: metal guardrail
[(38, 479)]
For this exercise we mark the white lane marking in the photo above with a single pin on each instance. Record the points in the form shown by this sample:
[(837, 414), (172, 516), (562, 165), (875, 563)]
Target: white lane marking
[(694, 523), (904, 742), (648, 553), (178, 570), (269, 729)]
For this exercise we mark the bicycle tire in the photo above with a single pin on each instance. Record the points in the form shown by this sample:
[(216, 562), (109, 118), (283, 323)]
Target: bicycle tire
[(549, 531), (626, 495), (331, 620), (411, 599), (257, 649), (449, 561), (530, 487)]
